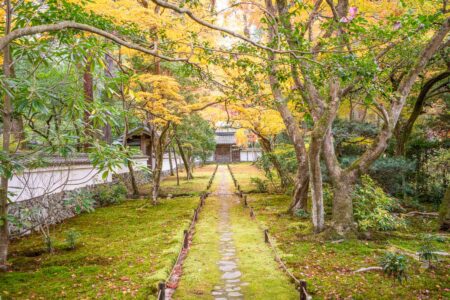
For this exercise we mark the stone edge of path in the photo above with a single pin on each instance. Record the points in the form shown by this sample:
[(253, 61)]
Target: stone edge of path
[(168, 287), (300, 284)]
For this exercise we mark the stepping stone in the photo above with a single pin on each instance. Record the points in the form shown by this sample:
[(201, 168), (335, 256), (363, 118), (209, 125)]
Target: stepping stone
[(227, 268), (231, 275), (233, 280), (226, 262), (233, 289), (234, 294), (216, 293)]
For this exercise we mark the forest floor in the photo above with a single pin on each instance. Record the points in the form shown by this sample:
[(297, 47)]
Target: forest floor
[(123, 250), (328, 266)]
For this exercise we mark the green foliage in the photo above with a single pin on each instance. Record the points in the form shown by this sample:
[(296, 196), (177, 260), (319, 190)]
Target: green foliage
[(427, 249), (71, 239), (107, 195), (197, 136), (49, 243), (373, 208), (394, 265), (82, 200), (261, 185), (301, 213)]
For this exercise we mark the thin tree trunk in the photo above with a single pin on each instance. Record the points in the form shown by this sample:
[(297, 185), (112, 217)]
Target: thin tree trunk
[(185, 161), (134, 186), (7, 113), (88, 88), (176, 164), (159, 158), (170, 163)]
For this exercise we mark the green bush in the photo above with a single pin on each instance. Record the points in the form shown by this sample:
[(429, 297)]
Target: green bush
[(71, 239), (373, 208), (261, 185), (82, 200), (301, 213), (107, 195), (394, 265), (427, 250)]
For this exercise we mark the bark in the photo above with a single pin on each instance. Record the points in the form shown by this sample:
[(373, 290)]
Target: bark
[(184, 159), (444, 213), (159, 158), (88, 89), (6, 114), (176, 165), (403, 131), (170, 163)]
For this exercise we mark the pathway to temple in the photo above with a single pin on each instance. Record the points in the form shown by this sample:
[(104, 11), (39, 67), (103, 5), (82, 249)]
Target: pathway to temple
[(228, 258)]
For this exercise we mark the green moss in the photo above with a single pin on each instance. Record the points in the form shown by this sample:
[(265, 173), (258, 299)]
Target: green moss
[(200, 270), (123, 250), (328, 267)]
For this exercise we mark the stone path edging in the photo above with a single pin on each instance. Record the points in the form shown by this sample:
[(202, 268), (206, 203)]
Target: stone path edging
[(168, 287)]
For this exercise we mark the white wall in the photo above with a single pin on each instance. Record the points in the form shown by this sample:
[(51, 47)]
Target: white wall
[(65, 177), (250, 154)]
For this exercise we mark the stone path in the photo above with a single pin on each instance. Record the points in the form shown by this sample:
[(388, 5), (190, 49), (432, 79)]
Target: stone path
[(228, 263)]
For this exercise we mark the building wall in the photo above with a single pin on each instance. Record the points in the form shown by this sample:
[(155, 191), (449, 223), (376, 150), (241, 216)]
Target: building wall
[(250, 154)]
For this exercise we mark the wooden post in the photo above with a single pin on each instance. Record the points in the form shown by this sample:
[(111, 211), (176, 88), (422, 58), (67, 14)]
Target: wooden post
[(245, 201), (303, 294), (252, 213), (186, 239), (266, 235), (162, 291)]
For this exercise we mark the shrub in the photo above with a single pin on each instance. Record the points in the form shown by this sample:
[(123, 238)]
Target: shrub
[(107, 195), (71, 239), (394, 265), (373, 208), (301, 213), (427, 250), (82, 200), (48, 241), (261, 185)]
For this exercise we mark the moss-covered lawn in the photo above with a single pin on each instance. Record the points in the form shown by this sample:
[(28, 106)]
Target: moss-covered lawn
[(123, 251), (328, 267), (187, 187)]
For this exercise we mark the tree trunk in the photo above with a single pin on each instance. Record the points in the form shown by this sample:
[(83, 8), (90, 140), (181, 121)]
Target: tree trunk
[(403, 131), (88, 88), (7, 113), (176, 165), (170, 163), (343, 205), (315, 174), (184, 159), (159, 159), (444, 212)]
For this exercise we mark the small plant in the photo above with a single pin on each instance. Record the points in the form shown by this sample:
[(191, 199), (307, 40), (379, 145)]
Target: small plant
[(261, 185), (71, 239), (301, 213), (48, 241), (394, 265), (427, 250)]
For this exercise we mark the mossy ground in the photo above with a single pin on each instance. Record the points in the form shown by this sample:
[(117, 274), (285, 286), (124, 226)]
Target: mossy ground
[(328, 267), (255, 259), (187, 187), (200, 270), (123, 252)]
